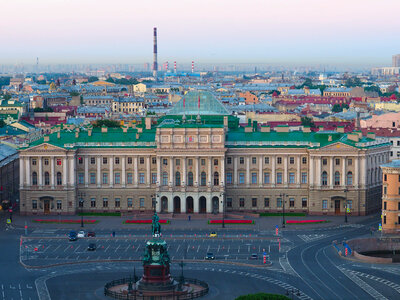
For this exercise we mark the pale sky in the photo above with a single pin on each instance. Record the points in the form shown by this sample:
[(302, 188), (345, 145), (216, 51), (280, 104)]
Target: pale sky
[(207, 31)]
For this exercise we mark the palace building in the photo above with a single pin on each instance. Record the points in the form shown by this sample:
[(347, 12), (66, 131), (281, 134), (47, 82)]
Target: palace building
[(198, 159)]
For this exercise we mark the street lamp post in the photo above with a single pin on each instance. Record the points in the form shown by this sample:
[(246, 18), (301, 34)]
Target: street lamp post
[(283, 210), (223, 210), (345, 210)]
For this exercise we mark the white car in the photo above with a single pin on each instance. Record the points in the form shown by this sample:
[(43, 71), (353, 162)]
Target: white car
[(81, 234)]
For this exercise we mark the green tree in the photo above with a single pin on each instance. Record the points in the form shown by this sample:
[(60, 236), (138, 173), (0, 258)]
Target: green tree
[(107, 123), (2, 123), (307, 121), (4, 81), (109, 79), (41, 81), (7, 97), (73, 94), (93, 79), (373, 88), (353, 82), (337, 108)]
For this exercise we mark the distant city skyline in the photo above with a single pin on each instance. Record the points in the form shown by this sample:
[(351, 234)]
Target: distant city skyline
[(261, 31)]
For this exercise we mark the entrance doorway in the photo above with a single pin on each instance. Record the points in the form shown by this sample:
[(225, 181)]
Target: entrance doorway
[(189, 205), (164, 204), (177, 205), (215, 203), (337, 207), (202, 205), (46, 204)]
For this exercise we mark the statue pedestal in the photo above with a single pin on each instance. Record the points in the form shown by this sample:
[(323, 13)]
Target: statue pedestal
[(156, 278)]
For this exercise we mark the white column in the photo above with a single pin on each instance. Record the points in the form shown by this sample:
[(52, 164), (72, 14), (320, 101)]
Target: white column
[(123, 172), (159, 174), (356, 172), (235, 171), (319, 171), (65, 171), (196, 205), (247, 170), (40, 171), (98, 171), (222, 176), (311, 171), (260, 171), (111, 171), (285, 172), (28, 172), (184, 175), (135, 171), (183, 204), (344, 160), (298, 173), (52, 173), (72, 170), (273, 173), (158, 204), (86, 170), (197, 176), (209, 177), (148, 171), (171, 172), (363, 172), (209, 204), (331, 161), (21, 171), (170, 204)]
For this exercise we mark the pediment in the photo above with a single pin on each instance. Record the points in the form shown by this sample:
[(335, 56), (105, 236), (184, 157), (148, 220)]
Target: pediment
[(45, 147), (338, 147)]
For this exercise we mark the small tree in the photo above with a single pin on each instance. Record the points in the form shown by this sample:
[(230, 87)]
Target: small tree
[(307, 121), (2, 123)]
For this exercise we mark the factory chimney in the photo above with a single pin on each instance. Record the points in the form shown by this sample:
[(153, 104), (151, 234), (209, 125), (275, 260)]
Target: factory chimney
[(192, 66), (174, 66), (155, 66)]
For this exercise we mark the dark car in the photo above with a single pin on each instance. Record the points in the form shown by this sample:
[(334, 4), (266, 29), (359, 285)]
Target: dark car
[(72, 236), (209, 256), (91, 234), (91, 247), (254, 256)]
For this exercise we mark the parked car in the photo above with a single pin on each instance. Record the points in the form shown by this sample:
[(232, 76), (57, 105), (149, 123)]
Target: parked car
[(91, 234), (209, 256), (213, 234), (81, 234), (91, 247), (254, 256), (72, 236)]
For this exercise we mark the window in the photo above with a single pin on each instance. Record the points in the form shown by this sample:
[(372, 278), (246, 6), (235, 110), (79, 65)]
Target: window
[(46, 178), (165, 162), (241, 160), (105, 160), (203, 162), (279, 178), (92, 202), (229, 160), (153, 178), (141, 160), (34, 162), (266, 202), (117, 202), (165, 178), (129, 178), (59, 179), (203, 179), (215, 162), (241, 202), (278, 202), (324, 161), (324, 204), (129, 160), (350, 204), (349, 162), (304, 177), (34, 178), (117, 178), (399, 178), (228, 202), (153, 160), (34, 204), (190, 162), (266, 160), (304, 160), (241, 178), (59, 162), (254, 202), (303, 202), (46, 161), (337, 178), (291, 160), (291, 177), (177, 162), (324, 178), (291, 202), (384, 219), (279, 160), (254, 160), (81, 179), (105, 178), (253, 178), (337, 161), (130, 202), (190, 179), (229, 178), (177, 179), (216, 178), (92, 178), (384, 190), (141, 202), (266, 178), (349, 178), (105, 202), (116, 160), (92, 160), (141, 178)]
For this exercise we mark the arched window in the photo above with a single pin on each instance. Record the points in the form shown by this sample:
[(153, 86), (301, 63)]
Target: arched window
[(203, 180), (177, 178), (165, 178), (34, 178), (46, 178), (337, 178), (216, 178), (324, 179), (59, 179), (190, 179), (349, 178)]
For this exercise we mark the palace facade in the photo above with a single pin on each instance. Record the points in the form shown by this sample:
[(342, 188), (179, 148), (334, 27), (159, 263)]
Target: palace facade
[(198, 159)]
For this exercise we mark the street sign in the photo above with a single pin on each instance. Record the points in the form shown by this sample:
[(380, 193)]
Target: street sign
[(380, 227), (8, 221), (346, 251)]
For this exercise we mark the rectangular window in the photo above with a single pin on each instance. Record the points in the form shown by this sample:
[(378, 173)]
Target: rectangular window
[(266, 202), (153, 178), (398, 207), (304, 160), (350, 204), (253, 178), (229, 178), (129, 160), (117, 178), (384, 190), (105, 202), (46, 161), (81, 178), (337, 161), (165, 162), (324, 161), (241, 178), (34, 204), (59, 163), (241, 202), (229, 160), (279, 160), (34, 162), (105, 178), (177, 162), (324, 204), (228, 202), (80, 160), (141, 160), (266, 160), (304, 202), (92, 202), (117, 160), (399, 178), (349, 162), (241, 160), (141, 178), (215, 162), (278, 202), (304, 177), (279, 178), (254, 160), (129, 178), (117, 202), (92, 160), (153, 160), (92, 178), (203, 162), (190, 162), (385, 205), (291, 202), (130, 202), (266, 178), (291, 160), (105, 161), (254, 202), (141, 202), (291, 177)]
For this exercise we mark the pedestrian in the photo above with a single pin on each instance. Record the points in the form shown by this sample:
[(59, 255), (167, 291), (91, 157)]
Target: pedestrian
[(189, 217), (113, 233)]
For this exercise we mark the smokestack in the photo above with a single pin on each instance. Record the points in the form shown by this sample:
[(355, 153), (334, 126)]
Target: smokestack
[(192, 66), (174, 66), (166, 66), (155, 66)]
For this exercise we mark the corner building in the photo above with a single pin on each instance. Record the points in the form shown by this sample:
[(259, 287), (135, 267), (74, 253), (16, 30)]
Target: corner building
[(198, 159), (391, 197)]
